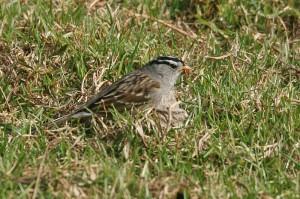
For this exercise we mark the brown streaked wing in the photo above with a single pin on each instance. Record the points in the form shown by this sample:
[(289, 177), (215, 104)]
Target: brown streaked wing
[(131, 90)]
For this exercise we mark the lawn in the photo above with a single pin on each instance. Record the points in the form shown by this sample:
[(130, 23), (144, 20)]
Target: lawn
[(240, 140)]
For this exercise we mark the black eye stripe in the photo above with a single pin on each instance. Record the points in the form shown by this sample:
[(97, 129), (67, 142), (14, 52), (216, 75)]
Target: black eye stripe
[(164, 62), (165, 58)]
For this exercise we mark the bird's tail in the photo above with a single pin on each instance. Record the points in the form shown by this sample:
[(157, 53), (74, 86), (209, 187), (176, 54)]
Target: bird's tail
[(62, 119), (77, 115)]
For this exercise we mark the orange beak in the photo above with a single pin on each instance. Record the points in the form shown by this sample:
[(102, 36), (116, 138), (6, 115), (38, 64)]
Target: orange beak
[(186, 69)]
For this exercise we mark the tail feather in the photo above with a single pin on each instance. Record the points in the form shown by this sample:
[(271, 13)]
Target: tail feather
[(72, 116)]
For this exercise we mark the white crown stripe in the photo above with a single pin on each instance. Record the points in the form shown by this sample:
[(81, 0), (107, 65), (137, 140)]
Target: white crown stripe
[(168, 58), (169, 61)]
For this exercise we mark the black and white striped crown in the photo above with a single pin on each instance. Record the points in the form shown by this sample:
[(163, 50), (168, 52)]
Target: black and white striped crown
[(167, 60)]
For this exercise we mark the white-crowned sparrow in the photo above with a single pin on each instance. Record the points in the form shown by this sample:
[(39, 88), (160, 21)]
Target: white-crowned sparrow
[(142, 87)]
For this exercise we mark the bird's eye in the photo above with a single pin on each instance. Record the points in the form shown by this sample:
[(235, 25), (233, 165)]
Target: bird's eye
[(172, 66)]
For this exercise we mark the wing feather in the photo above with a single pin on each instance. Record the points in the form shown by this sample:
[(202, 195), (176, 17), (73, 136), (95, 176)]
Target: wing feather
[(131, 90)]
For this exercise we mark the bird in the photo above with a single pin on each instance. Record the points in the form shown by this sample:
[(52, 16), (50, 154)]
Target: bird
[(143, 87)]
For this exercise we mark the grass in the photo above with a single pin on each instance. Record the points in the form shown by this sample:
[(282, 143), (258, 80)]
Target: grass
[(241, 139)]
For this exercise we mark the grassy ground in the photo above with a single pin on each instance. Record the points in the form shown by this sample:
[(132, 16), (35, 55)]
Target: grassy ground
[(242, 137)]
